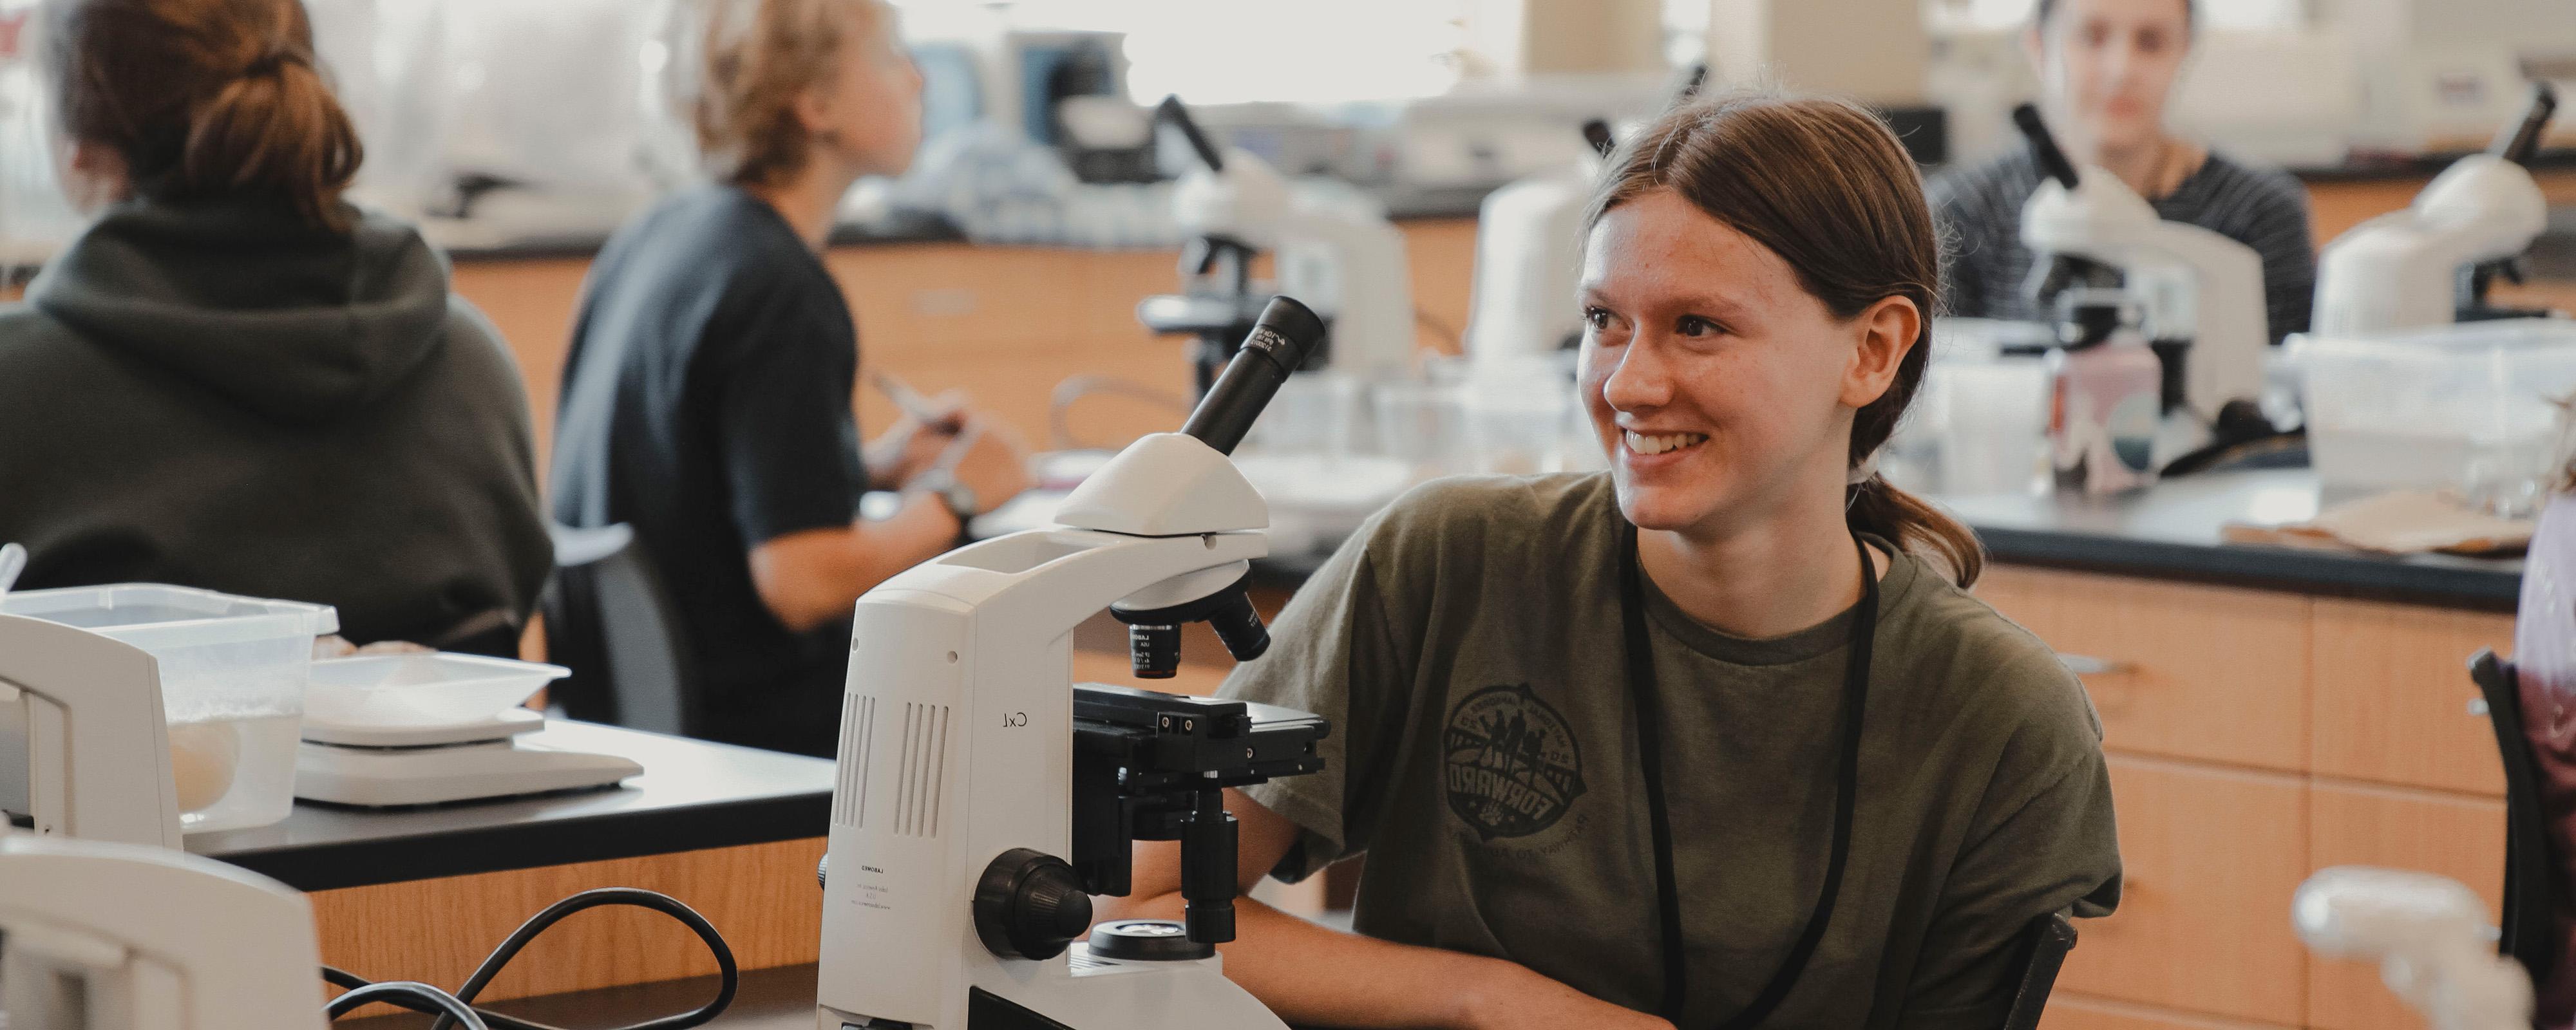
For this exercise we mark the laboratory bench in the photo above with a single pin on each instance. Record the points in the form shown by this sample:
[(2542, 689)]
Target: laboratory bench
[(425, 893)]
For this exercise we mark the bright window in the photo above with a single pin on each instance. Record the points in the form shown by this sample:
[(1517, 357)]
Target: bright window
[(1232, 51)]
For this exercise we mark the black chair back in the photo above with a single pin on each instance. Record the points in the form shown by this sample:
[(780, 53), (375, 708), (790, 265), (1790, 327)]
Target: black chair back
[(2044, 944), (609, 620), (2531, 888)]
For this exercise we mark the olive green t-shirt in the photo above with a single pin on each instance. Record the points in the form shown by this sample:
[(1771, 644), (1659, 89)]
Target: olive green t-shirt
[(1467, 646)]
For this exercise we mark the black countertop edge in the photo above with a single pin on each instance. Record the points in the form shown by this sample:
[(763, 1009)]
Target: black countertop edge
[(2420, 166), (2334, 573), (925, 230), (528, 845), (2433, 581)]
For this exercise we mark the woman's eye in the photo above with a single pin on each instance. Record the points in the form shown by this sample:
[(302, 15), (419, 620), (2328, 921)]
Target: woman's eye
[(1596, 318)]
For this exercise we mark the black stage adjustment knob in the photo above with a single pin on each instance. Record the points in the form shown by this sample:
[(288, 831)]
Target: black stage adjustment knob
[(1030, 904)]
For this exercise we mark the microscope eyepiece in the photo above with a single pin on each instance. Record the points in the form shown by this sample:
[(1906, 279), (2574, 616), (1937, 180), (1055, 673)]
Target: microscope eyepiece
[(1171, 110), (2522, 139), (2043, 145), (1279, 342)]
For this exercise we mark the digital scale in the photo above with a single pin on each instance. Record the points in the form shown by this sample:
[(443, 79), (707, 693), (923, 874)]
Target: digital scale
[(385, 731)]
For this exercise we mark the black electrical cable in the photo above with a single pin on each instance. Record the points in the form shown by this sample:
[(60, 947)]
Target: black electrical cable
[(418, 997), (727, 975)]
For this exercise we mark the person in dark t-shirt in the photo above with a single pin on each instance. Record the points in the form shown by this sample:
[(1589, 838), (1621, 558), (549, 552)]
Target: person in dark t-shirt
[(707, 397)]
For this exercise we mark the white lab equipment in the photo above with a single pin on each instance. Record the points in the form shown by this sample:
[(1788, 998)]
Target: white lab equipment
[(2429, 934), (949, 900), (232, 672), (420, 729), (1529, 256), (98, 761), (2428, 264), (1334, 246), (110, 936), (2198, 287)]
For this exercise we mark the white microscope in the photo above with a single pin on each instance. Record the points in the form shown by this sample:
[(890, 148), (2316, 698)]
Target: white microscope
[(2430, 936), (2431, 264), (2201, 292), (983, 798), (1338, 251)]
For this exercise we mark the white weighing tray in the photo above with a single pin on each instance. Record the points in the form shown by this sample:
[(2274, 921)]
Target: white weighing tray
[(420, 691)]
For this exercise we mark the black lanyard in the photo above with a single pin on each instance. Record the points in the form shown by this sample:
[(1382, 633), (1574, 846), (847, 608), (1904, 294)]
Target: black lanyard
[(1642, 691)]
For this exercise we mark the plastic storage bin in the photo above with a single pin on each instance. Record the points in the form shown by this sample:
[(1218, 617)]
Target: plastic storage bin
[(421, 690), (2469, 406), (233, 672)]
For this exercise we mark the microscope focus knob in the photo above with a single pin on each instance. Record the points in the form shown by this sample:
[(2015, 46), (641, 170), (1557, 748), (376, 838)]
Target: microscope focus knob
[(1030, 904)]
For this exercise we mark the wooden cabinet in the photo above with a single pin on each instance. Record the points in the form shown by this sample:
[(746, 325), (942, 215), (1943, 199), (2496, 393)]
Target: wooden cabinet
[(2393, 692), (2211, 856), (2400, 828), (2256, 737), (2209, 673)]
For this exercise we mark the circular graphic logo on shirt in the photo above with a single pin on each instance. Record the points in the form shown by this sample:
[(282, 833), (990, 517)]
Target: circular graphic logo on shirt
[(1512, 764)]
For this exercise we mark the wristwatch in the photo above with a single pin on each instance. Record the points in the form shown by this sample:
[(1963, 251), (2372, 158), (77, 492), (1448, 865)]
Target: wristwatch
[(953, 492)]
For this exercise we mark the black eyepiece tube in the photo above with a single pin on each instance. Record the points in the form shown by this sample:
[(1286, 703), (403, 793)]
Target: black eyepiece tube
[(1279, 343), (1177, 113), (2518, 143), (2043, 146), (1597, 132)]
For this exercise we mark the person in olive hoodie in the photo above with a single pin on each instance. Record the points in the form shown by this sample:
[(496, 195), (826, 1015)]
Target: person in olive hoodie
[(235, 380)]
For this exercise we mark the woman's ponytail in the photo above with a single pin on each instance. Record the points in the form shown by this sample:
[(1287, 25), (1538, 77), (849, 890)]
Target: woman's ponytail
[(205, 99), (1913, 524)]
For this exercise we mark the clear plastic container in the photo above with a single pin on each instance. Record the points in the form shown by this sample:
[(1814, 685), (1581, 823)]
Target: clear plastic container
[(1993, 416), (421, 690), (1516, 414), (233, 672), (1314, 414), (2470, 406), (1425, 425)]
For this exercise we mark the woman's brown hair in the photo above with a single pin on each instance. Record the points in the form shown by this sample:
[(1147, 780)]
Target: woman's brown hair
[(204, 99), (1826, 186)]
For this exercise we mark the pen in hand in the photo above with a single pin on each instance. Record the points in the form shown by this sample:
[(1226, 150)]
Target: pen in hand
[(920, 408)]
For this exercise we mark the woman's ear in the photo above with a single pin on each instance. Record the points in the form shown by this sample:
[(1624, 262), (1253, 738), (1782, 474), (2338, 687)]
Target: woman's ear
[(94, 175), (1887, 331), (818, 109)]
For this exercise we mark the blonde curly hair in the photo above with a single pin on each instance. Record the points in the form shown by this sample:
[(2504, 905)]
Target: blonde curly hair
[(755, 59)]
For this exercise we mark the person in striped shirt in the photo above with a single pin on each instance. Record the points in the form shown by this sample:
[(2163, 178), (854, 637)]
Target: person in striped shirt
[(2107, 69)]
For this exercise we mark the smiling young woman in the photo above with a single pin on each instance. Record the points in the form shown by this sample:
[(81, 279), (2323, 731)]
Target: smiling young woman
[(1712, 738)]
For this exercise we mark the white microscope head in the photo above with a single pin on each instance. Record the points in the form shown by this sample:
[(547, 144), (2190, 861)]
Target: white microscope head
[(2401, 270), (147, 938), (2429, 934), (1246, 199), (1529, 252)]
